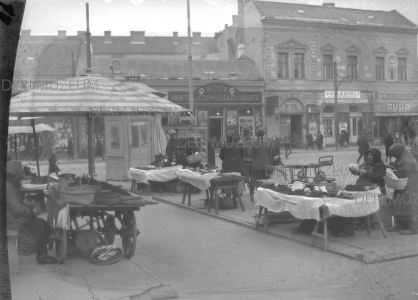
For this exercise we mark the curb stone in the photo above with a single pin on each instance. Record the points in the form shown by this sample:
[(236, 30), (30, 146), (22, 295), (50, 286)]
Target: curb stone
[(158, 293)]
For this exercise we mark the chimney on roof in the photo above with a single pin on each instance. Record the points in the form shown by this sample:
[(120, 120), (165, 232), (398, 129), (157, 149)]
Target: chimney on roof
[(231, 50), (235, 20), (107, 39), (137, 37), (241, 21), (329, 4), (175, 37), (197, 37), (240, 51), (26, 34), (62, 34)]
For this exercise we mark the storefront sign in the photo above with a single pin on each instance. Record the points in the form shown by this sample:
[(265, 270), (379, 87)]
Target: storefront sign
[(396, 107), (397, 96), (216, 93), (343, 95)]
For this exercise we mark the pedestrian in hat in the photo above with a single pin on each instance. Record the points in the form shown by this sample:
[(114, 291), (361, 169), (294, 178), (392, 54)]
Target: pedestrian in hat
[(53, 163), (260, 153), (363, 146), (171, 149), (232, 155)]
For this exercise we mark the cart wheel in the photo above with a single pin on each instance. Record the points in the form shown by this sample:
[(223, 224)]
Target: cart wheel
[(129, 234), (301, 176), (61, 246), (109, 230), (50, 222), (322, 175)]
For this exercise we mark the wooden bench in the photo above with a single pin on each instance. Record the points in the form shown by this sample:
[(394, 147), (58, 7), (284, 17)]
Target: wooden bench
[(12, 235)]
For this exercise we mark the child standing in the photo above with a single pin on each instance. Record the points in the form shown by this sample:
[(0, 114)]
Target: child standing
[(53, 163)]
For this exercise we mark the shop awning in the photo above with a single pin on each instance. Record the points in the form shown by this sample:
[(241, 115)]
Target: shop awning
[(29, 129)]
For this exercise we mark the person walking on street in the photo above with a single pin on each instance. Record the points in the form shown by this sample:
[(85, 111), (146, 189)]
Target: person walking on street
[(363, 146), (70, 150), (388, 143), (320, 141), (287, 145), (99, 149), (53, 163), (309, 141)]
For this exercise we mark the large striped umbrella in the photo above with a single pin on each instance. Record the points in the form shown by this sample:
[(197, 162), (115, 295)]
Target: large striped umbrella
[(88, 94)]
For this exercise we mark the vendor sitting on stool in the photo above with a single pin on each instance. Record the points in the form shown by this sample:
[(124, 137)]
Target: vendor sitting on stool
[(22, 216), (371, 173)]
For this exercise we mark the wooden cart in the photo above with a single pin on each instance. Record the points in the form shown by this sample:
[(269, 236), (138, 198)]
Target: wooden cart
[(107, 221)]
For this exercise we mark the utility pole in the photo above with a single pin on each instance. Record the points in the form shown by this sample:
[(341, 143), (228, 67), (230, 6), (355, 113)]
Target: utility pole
[(90, 123), (190, 66), (336, 106)]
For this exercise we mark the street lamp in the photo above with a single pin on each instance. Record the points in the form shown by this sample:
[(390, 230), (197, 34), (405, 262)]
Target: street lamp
[(336, 86), (111, 67)]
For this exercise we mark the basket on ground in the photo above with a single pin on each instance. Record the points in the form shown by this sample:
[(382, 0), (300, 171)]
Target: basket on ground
[(194, 158), (396, 184)]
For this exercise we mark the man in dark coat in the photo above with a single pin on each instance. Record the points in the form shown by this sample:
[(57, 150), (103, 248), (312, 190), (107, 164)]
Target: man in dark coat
[(171, 149), (320, 141), (309, 141), (388, 143), (260, 152), (232, 156), (70, 150), (363, 146)]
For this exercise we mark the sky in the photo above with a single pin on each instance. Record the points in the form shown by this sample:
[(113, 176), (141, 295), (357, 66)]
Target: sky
[(162, 17)]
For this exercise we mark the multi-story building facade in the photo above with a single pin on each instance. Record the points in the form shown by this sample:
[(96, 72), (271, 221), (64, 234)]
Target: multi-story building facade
[(295, 47)]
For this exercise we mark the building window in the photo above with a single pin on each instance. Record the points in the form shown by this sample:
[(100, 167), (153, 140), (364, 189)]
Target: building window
[(328, 127), (402, 69), (328, 109), (299, 60), (328, 73), (283, 65), (352, 67), (380, 68)]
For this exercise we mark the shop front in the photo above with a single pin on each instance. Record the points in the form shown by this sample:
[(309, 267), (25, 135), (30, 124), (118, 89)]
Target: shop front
[(352, 114), (291, 118), (394, 111), (219, 108)]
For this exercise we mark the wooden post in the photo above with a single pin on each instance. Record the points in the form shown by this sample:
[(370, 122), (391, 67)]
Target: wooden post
[(35, 141)]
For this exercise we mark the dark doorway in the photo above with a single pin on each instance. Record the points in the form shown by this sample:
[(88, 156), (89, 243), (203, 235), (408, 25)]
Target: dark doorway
[(296, 130), (215, 128)]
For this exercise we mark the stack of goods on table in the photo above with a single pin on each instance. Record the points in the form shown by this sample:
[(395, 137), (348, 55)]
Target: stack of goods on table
[(83, 190), (300, 188)]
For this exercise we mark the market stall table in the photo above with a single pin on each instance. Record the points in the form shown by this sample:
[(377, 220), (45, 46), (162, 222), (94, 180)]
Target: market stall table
[(212, 182), (320, 209), (145, 176)]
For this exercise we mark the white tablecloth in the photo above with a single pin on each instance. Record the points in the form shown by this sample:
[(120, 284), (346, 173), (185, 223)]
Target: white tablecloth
[(196, 179), (162, 175), (365, 203)]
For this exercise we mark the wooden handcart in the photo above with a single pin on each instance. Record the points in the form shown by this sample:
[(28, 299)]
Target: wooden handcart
[(106, 221)]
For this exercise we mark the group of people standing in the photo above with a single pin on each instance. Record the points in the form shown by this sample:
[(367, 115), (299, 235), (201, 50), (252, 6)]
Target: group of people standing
[(319, 141)]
